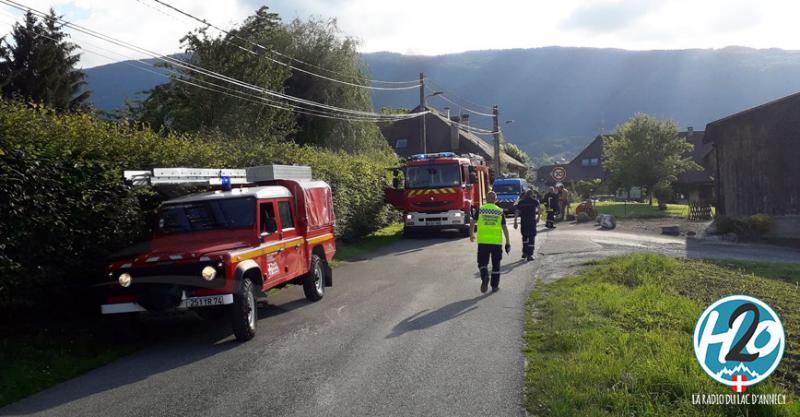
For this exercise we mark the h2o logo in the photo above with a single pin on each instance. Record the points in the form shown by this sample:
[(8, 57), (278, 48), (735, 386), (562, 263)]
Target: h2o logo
[(739, 341)]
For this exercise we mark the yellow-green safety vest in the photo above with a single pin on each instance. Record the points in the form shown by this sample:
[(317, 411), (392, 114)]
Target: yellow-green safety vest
[(490, 224)]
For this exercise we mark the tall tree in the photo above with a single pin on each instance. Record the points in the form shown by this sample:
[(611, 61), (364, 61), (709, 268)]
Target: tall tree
[(327, 52), (38, 64), (646, 151), (201, 105)]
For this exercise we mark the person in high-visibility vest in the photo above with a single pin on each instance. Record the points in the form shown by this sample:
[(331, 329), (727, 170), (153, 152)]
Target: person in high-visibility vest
[(491, 225)]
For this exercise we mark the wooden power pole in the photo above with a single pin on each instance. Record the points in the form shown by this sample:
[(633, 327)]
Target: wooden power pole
[(496, 130)]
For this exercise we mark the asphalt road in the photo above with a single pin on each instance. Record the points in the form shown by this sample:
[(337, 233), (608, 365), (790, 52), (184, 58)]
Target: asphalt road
[(405, 332)]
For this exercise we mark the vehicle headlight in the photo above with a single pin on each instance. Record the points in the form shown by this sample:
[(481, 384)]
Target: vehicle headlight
[(457, 214), (208, 273), (125, 279), (408, 217)]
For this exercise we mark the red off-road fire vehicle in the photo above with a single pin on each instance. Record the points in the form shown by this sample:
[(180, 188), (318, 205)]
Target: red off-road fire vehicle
[(439, 191), (265, 227)]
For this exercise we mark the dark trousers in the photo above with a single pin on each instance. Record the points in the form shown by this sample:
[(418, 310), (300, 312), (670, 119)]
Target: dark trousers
[(551, 218), (528, 239), (485, 252)]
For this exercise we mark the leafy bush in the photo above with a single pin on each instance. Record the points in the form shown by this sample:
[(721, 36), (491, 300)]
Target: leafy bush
[(746, 228), (65, 207)]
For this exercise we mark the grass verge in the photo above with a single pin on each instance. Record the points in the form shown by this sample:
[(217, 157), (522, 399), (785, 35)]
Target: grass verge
[(36, 358), (622, 210), (616, 340), (32, 361), (367, 244)]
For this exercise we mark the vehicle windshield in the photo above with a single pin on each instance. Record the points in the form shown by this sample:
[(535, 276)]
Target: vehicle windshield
[(232, 213), (432, 176), (506, 189)]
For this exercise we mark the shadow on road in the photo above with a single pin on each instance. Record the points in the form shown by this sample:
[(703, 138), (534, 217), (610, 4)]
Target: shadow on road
[(169, 343), (424, 319)]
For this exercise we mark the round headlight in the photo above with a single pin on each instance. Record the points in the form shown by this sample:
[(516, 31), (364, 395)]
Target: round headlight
[(208, 273), (125, 279), (408, 217)]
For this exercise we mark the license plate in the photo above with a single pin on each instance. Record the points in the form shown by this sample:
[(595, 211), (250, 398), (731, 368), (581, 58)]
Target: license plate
[(213, 300)]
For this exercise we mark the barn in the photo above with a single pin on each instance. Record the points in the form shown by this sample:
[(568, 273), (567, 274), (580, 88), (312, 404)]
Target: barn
[(756, 158)]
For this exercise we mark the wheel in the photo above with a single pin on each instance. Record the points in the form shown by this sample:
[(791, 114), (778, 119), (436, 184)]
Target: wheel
[(314, 280), (243, 311), (464, 231)]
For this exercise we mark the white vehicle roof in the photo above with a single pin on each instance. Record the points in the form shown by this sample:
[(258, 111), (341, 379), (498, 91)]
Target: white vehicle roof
[(270, 191)]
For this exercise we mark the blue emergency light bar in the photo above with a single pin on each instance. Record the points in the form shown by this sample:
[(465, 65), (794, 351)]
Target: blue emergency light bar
[(424, 156)]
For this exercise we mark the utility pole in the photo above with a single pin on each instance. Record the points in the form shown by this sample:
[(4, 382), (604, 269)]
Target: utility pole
[(422, 106), (496, 130)]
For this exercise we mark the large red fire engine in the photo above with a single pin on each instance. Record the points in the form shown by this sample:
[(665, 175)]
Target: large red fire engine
[(439, 191), (263, 228)]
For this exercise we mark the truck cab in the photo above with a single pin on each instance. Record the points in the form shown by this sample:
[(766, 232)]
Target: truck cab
[(508, 191), (222, 248), (439, 191)]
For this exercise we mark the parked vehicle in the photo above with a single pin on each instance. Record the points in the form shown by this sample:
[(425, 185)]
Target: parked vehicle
[(439, 191), (262, 229), (508, 191)]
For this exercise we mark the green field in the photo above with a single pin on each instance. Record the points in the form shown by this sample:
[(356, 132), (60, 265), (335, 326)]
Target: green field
[(616, 340), (630, 210)]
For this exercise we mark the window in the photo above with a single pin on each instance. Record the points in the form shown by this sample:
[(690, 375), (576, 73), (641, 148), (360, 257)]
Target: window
[(594, 162), (585, 162), (433, 176), (267, 213), (286, 215), (401, 144), (207, 215)]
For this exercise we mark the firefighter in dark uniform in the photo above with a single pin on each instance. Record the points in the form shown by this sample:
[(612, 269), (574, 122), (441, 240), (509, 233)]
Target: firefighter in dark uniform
[(551, 202), (491, 228), (528, 209)]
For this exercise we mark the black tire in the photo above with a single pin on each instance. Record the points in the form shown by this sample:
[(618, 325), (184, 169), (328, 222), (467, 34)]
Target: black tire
[(244, 312), (464, 231), (314, 280)]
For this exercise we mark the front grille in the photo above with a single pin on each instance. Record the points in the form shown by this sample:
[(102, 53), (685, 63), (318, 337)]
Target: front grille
[(170, 273), (158, 297), (431, 204)]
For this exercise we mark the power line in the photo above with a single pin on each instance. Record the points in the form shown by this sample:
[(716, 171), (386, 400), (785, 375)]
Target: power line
[(203, 71), (258, 99), (447, 99), (480, 106), (270, 50)]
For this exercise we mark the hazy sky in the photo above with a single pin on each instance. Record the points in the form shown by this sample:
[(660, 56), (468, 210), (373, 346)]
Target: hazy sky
[(432, 27)]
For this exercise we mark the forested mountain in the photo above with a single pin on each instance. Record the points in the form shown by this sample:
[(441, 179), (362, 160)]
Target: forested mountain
[(558, 97)]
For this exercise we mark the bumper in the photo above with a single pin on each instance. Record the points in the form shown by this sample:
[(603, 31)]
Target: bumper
[(194, 302), (453, 219), (506, 205)]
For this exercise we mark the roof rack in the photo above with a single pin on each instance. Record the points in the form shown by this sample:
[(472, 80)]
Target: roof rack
[(216, 176)]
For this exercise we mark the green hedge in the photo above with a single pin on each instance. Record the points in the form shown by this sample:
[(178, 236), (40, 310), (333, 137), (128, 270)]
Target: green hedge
[(65, 207)]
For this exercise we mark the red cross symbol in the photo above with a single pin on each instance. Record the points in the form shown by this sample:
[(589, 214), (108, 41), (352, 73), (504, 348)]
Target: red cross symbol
[(738, 386)]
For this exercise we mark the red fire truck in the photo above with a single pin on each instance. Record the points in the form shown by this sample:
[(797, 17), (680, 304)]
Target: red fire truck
[(262, 227), (439, 191)]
